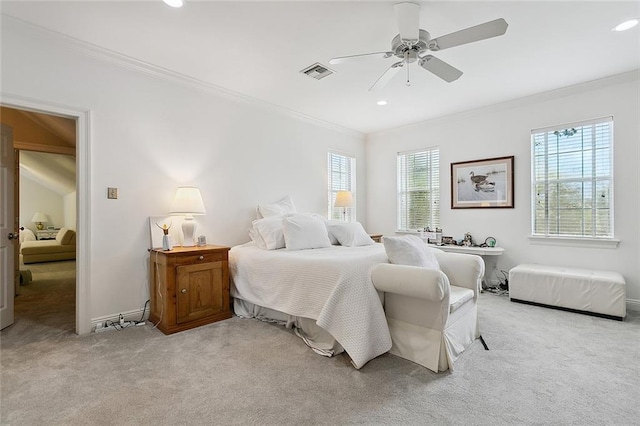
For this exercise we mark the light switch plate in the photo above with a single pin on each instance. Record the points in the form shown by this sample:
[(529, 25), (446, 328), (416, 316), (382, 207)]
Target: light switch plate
[(112, 193)]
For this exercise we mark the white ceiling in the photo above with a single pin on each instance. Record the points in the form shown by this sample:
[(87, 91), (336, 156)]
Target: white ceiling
[(258, 48), (56, 172)]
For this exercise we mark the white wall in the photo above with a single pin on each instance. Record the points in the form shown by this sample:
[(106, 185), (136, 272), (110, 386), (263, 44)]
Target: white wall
[(505, 130), (150, 134), (69, 203), (36, 198)]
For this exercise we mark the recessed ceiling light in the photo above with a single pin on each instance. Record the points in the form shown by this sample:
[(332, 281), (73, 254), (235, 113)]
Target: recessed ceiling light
[(174, 3), (626, 25), (381, 103)]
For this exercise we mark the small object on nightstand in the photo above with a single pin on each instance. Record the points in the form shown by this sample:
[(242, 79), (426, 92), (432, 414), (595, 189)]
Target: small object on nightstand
[(376, 237), (166, 243)]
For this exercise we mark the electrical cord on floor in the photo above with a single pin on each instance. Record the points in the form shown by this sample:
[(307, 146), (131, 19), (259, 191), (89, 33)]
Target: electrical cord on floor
[(122, 324), (144, 309), (118, 326), (502, 289)]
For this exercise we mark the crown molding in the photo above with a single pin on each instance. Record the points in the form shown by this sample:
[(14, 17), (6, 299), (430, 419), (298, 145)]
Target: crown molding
[(625, 77), (133, 64)]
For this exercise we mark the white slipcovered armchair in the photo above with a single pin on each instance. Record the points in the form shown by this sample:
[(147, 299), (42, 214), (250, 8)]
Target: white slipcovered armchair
[(432, 314)]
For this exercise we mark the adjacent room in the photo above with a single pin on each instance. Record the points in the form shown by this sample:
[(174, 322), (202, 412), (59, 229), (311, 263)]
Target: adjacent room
[(312, 212), (45, 201)]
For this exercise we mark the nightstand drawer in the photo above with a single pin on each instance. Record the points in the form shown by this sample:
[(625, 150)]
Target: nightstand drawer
[(200, 258)]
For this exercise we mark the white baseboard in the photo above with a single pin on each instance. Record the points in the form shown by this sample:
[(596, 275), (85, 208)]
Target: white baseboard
[(134, 315), (633, 305)]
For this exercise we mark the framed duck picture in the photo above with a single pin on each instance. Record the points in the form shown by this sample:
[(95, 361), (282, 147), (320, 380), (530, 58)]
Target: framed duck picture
[(482, 183)]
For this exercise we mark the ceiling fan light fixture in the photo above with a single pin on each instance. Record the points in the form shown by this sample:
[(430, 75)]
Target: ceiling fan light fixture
[(174, 3), (626, 25), (381, 102)]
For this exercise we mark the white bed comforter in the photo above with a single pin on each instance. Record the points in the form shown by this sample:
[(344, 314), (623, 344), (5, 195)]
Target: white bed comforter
[(330, 285)]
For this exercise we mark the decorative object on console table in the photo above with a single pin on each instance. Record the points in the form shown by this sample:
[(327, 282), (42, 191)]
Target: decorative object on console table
[(376, 237), (38, 219), (344, 199), (482, 183), (189, 287), (187, 202)]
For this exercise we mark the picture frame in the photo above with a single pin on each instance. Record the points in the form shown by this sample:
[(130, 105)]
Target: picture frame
[(486, 183)]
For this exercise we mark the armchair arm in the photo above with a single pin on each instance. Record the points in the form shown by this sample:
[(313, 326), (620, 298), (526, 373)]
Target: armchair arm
[(412, 281), (463, 270)]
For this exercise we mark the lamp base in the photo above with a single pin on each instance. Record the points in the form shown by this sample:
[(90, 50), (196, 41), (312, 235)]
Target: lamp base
[(188, 231), (39, 226)]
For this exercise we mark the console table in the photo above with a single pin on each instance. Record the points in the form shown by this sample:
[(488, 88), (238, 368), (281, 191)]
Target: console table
[(47, 234), (488, 255)]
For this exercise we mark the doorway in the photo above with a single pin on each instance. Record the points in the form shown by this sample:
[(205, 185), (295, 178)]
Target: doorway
[(54, 118)]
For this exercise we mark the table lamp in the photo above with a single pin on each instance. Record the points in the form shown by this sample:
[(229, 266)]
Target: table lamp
[(38, 218), (188, 202), (344, 199)]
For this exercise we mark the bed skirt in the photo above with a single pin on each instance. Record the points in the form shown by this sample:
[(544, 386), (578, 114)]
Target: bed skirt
[(314, 336)]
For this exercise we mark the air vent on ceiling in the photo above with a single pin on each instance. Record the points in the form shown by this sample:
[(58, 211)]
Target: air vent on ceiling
[(317, 71)]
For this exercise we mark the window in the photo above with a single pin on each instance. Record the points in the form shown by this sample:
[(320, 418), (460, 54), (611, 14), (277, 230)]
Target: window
[(572, 180), (341, 177), (419, 189)]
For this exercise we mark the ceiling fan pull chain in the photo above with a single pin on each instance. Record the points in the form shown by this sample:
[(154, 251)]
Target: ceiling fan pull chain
[(406, 60), (408, 81)]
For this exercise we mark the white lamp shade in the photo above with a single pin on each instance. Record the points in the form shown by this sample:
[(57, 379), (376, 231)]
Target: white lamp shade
[(343, 199), (174, 3), (188, 201), (39, 217)]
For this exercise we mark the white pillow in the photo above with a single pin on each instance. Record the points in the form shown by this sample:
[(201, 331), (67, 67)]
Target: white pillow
[(330, 222), (278, 208), (409, 250), (267, 233), (304, 232), (349, 234), (256, 238)]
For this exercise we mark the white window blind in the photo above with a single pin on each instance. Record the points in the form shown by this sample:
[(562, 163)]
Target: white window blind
[(341, 177), (572, 180), (419, 189)]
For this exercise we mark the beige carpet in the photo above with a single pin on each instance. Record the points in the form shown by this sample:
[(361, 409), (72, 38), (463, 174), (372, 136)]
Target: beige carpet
[(46, 307), (544, 367)]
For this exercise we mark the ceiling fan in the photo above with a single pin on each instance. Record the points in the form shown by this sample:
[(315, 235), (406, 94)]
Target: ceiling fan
[(413, 43)]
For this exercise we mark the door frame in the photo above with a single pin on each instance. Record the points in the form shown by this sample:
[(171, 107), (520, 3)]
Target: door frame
[(83, 199)]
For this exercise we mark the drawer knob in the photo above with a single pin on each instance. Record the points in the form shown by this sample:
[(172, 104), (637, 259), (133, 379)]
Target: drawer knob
[(183, 291), (201, 257)]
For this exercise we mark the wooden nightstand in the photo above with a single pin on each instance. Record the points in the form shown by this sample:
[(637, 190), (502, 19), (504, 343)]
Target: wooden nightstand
[(189, 287), (376, 237)]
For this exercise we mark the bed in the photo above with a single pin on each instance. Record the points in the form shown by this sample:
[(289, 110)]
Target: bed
[(325, 294)]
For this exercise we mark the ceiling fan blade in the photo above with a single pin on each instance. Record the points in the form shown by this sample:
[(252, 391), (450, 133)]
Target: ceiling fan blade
[(408, 17), (480, 32), (387, 76), (440, 68), (341, 59)]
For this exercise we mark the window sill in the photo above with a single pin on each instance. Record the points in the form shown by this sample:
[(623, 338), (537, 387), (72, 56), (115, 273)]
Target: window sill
[(610, 243)]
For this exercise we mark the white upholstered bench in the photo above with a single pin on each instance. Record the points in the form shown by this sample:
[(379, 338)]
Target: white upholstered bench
[(600, 293)]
